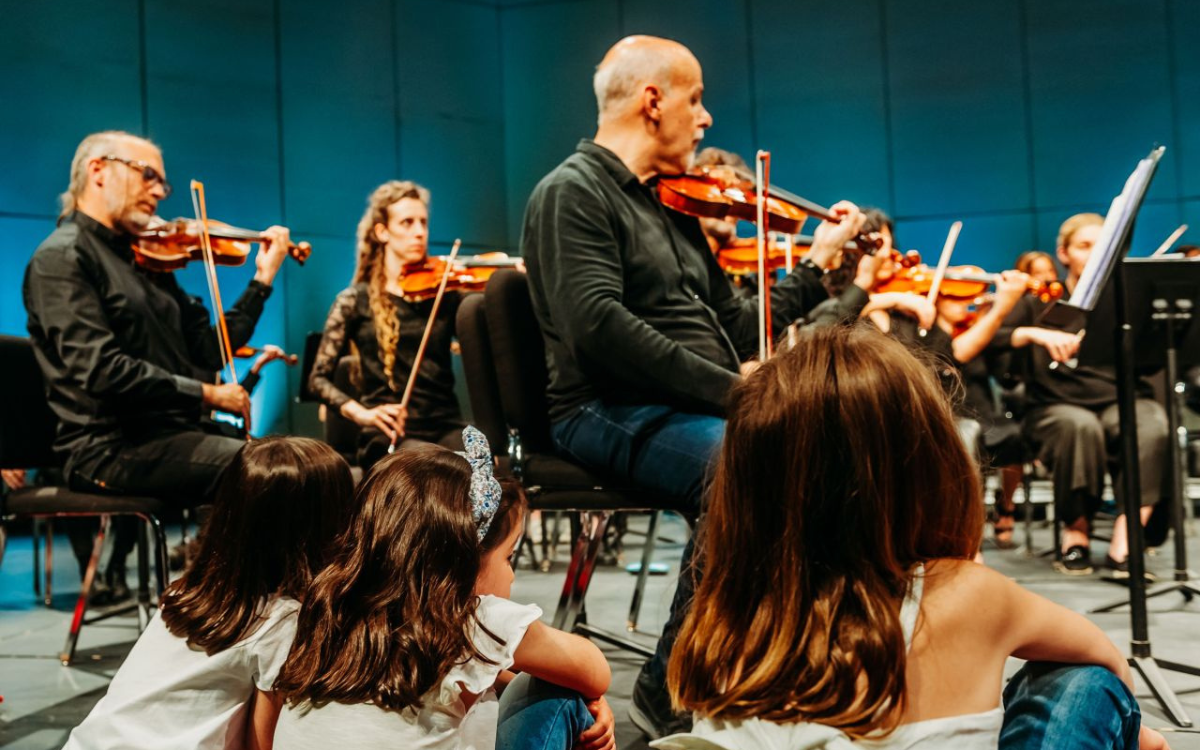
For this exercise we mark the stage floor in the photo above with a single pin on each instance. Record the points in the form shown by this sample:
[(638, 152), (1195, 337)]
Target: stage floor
[(42, 700)]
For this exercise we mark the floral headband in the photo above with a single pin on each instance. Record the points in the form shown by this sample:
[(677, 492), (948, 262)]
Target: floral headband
[(485, 490)]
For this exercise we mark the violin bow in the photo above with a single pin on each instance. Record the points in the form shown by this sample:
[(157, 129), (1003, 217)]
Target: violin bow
[(214, 291), (943, 262), (762, 166), (437, 302), (1166, 245)]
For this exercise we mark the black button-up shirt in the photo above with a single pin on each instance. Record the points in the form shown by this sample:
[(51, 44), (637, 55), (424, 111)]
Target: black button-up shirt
[(123, 350), (632, 304)]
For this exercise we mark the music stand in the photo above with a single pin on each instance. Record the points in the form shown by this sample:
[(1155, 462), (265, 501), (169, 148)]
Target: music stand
[(1162, 294), (1106, 273)]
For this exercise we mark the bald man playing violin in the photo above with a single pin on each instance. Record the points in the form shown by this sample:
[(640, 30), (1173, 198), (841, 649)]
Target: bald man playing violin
[(127, 355), (645, 336)]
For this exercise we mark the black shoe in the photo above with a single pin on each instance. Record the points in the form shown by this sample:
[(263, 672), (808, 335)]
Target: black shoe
[(181, 555), (1120, 570), (100, 594), (1076, 561), (650, 709), (115, 578)]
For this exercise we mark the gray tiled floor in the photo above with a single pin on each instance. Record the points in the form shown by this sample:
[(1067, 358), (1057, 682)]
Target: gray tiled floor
[(43, 700)]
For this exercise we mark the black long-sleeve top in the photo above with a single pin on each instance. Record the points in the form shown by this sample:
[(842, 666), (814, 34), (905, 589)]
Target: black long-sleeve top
[(632, 304), (434, 403), (124, 350), (1090, 387)]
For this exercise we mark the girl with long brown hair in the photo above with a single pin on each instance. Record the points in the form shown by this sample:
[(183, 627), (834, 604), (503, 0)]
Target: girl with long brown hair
[(859, 619), (224, 629), (405, 638), (373, 320)]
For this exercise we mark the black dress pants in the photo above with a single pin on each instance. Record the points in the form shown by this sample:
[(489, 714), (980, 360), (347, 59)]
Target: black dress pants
[(1079, 444)]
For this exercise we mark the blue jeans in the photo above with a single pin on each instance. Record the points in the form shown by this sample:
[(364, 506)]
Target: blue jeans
[(1068, 707), (656, 448), (536, 715)]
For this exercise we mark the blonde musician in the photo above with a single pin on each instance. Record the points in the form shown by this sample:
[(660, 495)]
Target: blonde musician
[(373, 319)]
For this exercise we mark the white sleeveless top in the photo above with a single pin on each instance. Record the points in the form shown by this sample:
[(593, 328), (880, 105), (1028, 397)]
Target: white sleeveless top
[(979, 731)]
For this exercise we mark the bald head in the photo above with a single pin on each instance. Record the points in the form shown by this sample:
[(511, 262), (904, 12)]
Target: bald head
[(634, 63)]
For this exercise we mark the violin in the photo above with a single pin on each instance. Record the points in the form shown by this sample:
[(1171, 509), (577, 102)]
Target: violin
[(468, 273), (740, 257), (171, 245), (722, 192), (269, 353), (962, 283)]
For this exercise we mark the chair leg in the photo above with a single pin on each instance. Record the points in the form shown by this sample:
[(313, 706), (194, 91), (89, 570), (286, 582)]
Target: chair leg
[(1027, 510), (37, 552), (579, 572), (635, 606), (143, 591), (160, 551), (89, 576), (48, 587)]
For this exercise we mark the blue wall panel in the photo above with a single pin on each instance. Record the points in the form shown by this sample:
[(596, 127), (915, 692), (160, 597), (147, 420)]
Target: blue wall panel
[(721, 49), (958, 109), (820, 98), (68, 68), (1100, 96), (549, 54), (1184, 19), (339, 113), (18, 239), (992, 242)]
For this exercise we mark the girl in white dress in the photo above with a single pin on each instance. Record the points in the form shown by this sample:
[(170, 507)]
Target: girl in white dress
[(223, 629), (406, 637), (859, 619)]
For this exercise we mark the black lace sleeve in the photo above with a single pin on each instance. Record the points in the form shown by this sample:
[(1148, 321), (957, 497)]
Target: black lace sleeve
[(333, 347)]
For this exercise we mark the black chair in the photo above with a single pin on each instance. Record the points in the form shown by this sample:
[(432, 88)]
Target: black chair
[(26, 434), (552, 483)]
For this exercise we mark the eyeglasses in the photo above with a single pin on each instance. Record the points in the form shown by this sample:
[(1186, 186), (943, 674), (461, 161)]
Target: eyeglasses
[(149, 173)]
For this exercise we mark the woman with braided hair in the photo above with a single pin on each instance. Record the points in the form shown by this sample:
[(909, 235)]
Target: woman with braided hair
[(372, 319)]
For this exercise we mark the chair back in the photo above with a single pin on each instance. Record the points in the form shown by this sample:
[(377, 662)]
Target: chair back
[(27, 424), (520, 358), (479, 366), (312, 342), (340, 432)]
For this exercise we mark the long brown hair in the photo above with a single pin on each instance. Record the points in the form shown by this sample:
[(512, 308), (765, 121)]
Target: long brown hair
[(841, 469), (279, 504), (369, 268), (395, 609)]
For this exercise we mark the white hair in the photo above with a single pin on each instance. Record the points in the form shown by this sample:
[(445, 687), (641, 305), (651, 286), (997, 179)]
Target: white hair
[(94, 146), (620, 79)]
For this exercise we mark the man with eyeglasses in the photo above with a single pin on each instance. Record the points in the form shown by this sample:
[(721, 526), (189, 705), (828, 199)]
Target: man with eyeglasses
[(129, 357)]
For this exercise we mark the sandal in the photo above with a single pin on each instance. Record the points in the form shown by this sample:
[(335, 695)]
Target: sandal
[(1002, 530)]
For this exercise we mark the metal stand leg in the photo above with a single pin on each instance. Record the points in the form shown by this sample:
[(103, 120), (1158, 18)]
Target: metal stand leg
[(1027, 507), (635, 606), (1151, 671), (48, 586)]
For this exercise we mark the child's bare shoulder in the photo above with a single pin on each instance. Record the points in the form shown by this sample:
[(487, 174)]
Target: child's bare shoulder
[(961, 590)]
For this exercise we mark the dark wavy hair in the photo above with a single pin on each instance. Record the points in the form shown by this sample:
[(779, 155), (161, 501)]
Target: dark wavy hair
[(394, 610), (841, 468), (279, 504)]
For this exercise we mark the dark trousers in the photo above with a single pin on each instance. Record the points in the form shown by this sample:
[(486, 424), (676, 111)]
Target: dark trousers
[(373, 444), (655, 448), (179, 468), (1079, 444)]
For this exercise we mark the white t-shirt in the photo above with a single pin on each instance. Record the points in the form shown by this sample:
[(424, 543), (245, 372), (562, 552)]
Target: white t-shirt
[(444, 722), (168, 695)]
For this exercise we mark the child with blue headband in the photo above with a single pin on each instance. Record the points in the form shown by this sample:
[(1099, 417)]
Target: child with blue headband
[(406, 638)]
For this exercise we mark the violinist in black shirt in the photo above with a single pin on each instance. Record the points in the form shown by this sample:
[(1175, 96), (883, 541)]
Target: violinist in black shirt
[(644, 335), (128, 357)]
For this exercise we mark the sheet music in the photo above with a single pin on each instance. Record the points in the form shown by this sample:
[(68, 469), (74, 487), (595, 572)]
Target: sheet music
[(1116, 226)]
